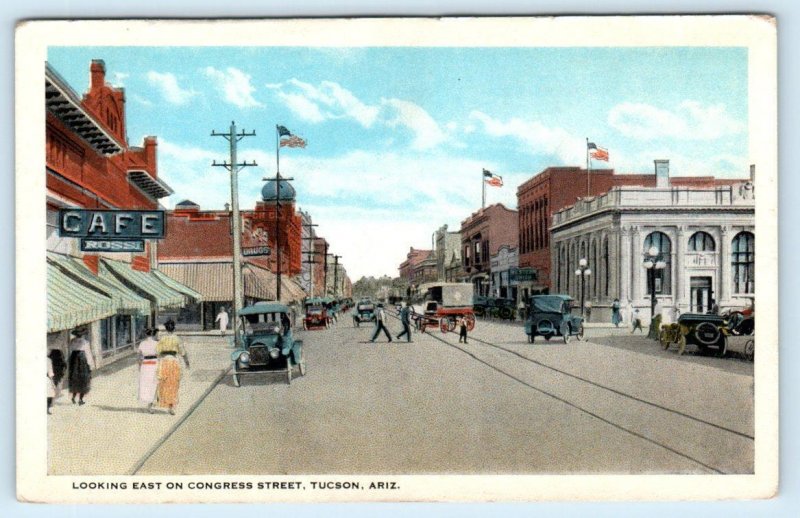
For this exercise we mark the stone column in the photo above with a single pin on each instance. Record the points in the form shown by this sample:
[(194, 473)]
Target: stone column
[(723, 291), (637, 287), (680, 278), (624, 251)]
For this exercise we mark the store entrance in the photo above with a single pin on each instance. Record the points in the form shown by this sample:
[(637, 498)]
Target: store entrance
[(700, 296)]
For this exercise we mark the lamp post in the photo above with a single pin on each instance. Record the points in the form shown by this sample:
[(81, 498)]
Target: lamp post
[(653, 262), (583, 271)]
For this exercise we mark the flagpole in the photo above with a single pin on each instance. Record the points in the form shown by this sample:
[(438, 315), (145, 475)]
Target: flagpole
[(588, 171), (483, 189)]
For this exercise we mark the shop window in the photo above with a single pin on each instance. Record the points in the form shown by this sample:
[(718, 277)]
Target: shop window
[(106, 336), (743, 257), (123, 331)]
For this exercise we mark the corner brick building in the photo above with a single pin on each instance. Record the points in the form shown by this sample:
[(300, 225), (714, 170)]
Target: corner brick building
[(482, 235)]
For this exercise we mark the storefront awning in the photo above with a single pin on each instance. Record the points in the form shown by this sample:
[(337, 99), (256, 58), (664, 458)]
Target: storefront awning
[(70, 303), (177, 286), (291, 291), (125, 300), (146, 283), (214, 281), (259, 283)]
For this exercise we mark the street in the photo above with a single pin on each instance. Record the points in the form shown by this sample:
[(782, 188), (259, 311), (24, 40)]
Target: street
[(494, 406)]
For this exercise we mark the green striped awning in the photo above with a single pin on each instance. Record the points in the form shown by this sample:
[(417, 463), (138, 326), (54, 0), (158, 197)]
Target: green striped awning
[(146, 283), (175, 285), (125, 300), (70, 303)]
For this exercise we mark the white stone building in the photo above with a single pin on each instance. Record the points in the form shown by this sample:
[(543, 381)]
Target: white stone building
[(503, 267), (705, 239)]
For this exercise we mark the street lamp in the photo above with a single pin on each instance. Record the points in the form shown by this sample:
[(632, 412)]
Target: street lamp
[(653, 262), (583, 271)]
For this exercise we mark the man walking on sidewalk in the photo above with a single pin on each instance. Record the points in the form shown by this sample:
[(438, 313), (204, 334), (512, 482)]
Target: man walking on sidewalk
[(380, 323), (406, 321)]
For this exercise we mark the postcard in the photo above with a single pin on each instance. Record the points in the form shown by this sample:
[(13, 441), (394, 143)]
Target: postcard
[(362, 260)]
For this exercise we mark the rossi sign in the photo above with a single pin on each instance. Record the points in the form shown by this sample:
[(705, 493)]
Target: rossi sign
[(111, 224)]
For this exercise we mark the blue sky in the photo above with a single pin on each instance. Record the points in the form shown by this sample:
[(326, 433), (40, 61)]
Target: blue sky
[(397, 137)]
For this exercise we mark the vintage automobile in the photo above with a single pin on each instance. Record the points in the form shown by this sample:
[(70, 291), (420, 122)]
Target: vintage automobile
[(365, 312), (316, 316), (266, 343), (707, 332), (552, 315), (501, 308), (444, 304)]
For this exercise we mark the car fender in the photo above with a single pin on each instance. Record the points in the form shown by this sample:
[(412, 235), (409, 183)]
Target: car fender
[(235, 355)]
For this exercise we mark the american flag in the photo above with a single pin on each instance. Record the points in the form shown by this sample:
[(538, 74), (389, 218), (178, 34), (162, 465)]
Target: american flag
[(492, 179), (293, 141), (599, 154)]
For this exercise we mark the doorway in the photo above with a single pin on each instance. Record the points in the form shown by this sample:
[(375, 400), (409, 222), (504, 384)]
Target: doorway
[(700, 295)]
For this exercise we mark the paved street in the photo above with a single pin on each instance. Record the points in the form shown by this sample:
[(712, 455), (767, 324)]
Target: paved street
[(434, 406)]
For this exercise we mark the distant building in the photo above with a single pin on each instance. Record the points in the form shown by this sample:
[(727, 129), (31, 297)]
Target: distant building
[(448, 245), (705, 236), (425, 270), (482, 235), (504, 268), (413, 258)]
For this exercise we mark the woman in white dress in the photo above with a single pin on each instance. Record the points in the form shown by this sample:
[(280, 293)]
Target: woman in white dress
[(148, 367)]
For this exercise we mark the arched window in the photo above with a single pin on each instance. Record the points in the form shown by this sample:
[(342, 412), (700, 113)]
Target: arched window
[(743, 262), (663, 276), (701, 242)]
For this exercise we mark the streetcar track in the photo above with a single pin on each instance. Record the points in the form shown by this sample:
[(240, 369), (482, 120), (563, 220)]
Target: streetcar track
[(174, 428), (589, 412)]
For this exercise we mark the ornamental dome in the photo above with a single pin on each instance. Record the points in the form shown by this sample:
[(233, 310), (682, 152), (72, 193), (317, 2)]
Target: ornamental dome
[(286, 191)]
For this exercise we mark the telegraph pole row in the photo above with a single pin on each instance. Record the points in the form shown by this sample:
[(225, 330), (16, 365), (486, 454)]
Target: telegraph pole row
[(234, 167), (336, 275), (310, 258)]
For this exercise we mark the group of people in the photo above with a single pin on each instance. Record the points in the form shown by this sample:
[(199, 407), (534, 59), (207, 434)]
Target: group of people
[(405, 321), (159, 368)]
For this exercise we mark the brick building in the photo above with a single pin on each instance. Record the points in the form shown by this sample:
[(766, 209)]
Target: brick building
[(90, 165), (558, 187), (482, 235), (413, 258)]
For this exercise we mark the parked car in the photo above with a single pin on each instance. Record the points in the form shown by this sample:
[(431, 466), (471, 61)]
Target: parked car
[(365, 312), (552, 315), (479, 305), (267, 343), (502, 308), (707, 332), (316, 316)]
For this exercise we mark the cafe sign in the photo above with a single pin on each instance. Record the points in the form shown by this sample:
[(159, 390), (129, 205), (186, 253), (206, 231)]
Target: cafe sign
[(106, 225)]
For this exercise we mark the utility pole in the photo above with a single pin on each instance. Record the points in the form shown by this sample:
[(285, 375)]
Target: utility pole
[(336, 274), (234, 167), (310, 259), (325, 282)]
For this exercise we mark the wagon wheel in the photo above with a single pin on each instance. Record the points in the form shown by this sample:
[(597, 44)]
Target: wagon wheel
[(451, 324), (505, 313), (750, 350), (444, 325), (470, 321)]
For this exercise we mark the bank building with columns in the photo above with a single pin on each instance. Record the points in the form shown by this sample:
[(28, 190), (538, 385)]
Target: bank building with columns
[(691, 245)]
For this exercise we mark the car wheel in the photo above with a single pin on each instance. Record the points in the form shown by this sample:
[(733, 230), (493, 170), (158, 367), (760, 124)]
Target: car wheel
[(750, 350), (723, 347)]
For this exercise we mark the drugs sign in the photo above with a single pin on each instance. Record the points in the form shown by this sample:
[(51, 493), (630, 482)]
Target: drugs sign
[(111, 224), (255, 251)]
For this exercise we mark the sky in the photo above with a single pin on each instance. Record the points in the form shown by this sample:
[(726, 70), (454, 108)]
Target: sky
[(397, 137)]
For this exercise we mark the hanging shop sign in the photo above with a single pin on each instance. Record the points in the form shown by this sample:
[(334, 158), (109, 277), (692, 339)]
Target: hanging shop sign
[(112, 245), (253, 251), (107, 225)]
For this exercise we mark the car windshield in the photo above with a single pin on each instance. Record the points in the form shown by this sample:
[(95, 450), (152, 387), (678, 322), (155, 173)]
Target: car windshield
[(366, 307), (262, 323), (547, 304)]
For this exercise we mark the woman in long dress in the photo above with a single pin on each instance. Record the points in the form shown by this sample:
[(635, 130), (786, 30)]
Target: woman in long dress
[(56, 366), (148, 367), (80, 362), (616, 318), (169, 368)]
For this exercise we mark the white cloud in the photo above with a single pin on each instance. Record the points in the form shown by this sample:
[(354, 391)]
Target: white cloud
[(167, 84), (141, 100), (427, 133), (689, 120), (118, 78), (327, 101), (537, 139), (234, 85)]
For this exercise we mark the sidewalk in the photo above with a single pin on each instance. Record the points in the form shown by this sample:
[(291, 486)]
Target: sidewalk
[(113, 431)]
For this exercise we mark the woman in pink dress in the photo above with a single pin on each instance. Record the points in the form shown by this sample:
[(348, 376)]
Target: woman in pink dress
[(148, 366)]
